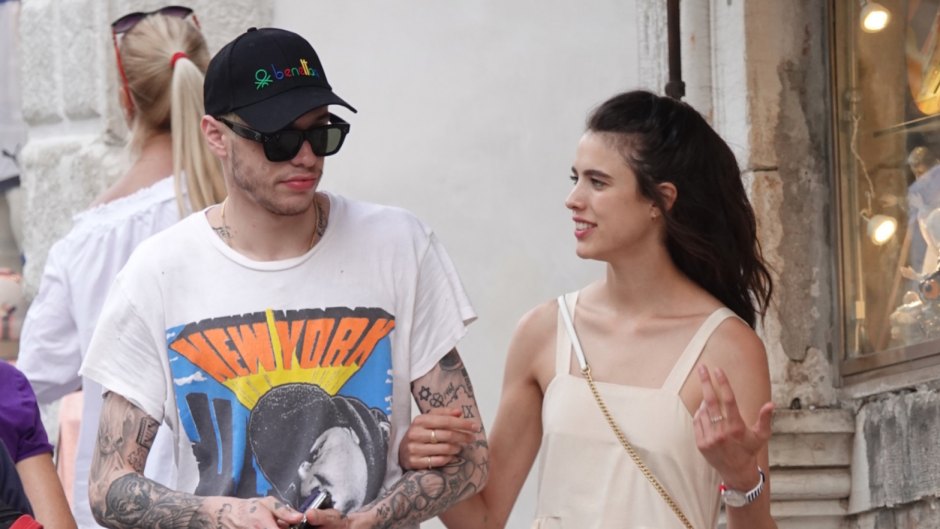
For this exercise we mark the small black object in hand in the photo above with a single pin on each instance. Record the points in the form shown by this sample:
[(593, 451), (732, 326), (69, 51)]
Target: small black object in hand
[(318, 499)]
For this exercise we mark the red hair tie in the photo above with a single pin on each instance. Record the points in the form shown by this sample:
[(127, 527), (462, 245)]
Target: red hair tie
[(177, 56)]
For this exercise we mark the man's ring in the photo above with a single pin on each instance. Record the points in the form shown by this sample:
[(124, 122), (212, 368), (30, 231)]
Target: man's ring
[(717, 418), (429, 462), (433, 437)]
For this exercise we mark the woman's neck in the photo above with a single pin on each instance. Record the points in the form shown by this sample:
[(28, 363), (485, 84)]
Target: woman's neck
[(154, 163), (645, 284)]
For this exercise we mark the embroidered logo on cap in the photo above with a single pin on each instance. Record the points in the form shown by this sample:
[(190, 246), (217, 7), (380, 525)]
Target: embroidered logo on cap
[(264, 76)]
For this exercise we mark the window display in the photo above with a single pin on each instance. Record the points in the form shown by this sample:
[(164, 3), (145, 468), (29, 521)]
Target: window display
[(886, 59)]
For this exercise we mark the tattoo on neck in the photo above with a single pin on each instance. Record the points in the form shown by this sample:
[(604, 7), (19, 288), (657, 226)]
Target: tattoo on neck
[(223, 233)]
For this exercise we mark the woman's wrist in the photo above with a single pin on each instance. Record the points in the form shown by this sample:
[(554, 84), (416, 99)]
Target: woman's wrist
[(745, 478)]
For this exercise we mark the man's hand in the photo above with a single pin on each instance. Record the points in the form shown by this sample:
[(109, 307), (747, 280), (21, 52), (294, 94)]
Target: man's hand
[(254, 513)]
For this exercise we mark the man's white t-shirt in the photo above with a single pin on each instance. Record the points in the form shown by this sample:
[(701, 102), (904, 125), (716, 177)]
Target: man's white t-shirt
[(278, 377)]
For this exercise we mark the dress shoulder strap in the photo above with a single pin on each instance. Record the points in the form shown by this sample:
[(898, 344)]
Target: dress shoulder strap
[(680, 371), (567, 337)]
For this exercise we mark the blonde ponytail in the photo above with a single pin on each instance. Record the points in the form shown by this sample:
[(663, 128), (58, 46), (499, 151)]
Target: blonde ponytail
[(164, 59)]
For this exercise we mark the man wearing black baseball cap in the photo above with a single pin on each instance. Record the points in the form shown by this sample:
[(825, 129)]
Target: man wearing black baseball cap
[(236, 317)]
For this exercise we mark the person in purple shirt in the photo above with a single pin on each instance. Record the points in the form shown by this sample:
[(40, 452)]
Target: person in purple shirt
[(24, 438)]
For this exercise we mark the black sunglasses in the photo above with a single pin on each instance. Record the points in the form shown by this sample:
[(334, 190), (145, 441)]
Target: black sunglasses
[(128, 21), (284, 144)]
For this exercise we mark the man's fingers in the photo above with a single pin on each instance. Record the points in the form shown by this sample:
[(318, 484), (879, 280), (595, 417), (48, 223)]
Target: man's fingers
[(282, 511), (324, 517)]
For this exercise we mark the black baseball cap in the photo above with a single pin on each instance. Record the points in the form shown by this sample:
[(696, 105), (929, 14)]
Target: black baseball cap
[(269, 77)]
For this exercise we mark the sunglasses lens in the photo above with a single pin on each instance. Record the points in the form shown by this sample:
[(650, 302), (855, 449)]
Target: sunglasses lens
[(175, 11), (283, 145), (125, 23), (333, 138)]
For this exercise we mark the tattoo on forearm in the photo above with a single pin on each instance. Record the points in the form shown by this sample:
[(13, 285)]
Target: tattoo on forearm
[(146, 432), (135, 501), (423, 494), (121, 496)]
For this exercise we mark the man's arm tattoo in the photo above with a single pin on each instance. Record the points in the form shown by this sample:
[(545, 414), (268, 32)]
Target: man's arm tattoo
[(121, 496), (424, 494), (453, 392)]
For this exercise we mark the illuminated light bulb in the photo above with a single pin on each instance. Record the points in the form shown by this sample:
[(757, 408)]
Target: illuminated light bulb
[(881, 229), (874, 17)]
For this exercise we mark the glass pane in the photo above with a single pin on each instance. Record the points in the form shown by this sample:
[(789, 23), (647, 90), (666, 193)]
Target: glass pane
[(887, 100)]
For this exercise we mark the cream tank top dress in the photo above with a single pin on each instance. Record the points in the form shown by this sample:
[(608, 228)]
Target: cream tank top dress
[(586, 478)]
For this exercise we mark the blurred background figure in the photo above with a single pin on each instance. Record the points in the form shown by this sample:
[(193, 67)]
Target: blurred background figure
[(12, 128), (12, 138), (34, 488), (161, 57)]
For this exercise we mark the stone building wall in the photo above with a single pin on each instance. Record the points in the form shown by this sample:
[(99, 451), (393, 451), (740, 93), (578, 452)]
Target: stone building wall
[(865, 454)]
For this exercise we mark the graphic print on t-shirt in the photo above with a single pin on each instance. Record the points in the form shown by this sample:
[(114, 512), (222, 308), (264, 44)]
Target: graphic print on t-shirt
[(280, 402)]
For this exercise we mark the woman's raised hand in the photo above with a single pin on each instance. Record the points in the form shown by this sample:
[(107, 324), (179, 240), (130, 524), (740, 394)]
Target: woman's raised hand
[(729, 444)]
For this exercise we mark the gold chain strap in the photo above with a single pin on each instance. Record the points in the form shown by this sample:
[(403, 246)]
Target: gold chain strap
[(586, 371)]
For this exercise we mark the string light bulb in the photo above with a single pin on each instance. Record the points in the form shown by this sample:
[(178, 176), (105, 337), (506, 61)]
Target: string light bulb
[(881, 228), (874, 17)]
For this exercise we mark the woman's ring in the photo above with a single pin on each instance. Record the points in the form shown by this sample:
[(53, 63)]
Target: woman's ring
[(433, 437), (429, 462), (717, 418)]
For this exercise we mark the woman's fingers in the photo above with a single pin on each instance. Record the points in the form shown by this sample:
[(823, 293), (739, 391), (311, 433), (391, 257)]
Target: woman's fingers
[(762, 428), (709, 398), (429, 462), (434, 438), (726, 398)]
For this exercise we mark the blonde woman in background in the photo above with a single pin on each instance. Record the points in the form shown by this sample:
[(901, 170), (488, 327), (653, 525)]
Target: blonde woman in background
[(161, 60)]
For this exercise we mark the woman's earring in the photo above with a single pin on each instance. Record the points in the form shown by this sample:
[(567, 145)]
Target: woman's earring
[(654, 213)]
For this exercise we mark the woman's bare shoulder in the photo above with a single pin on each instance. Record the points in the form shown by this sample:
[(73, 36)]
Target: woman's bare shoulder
[(739, 351), (738, 338), (532, 344)]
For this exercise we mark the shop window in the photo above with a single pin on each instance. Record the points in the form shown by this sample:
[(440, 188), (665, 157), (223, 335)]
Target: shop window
[(886, 95)]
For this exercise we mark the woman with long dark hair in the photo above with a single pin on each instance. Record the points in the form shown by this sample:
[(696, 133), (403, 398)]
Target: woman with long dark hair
[(648, 390)]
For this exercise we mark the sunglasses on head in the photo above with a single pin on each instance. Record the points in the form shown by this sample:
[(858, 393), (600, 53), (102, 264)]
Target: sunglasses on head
[(128, 21), (284, 144)]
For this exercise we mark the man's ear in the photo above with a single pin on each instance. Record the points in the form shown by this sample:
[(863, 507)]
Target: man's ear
[(668, 191), (215, 138)]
